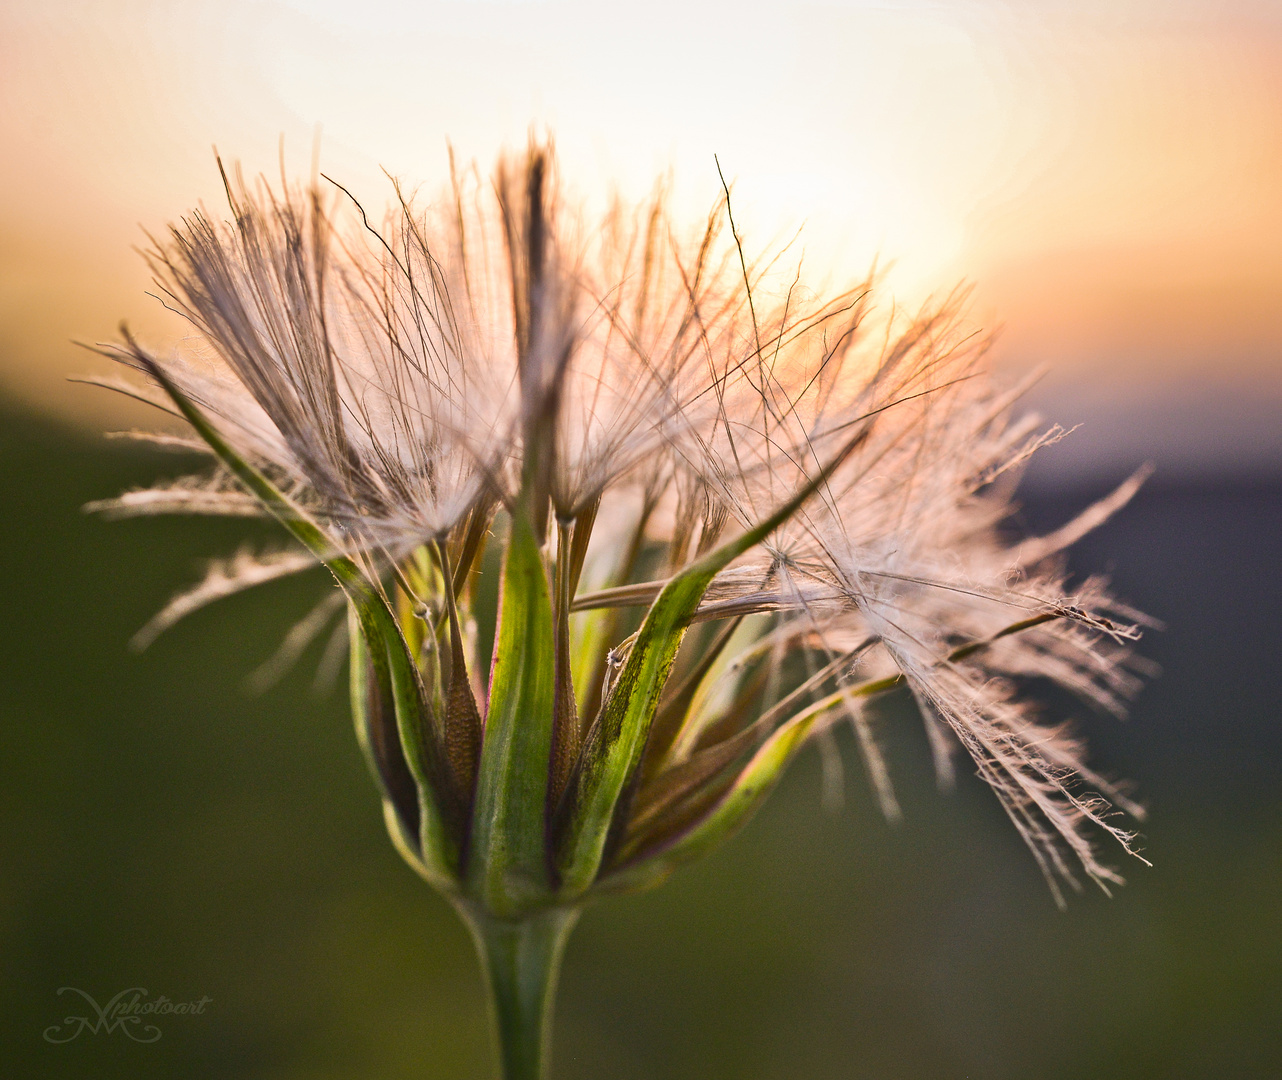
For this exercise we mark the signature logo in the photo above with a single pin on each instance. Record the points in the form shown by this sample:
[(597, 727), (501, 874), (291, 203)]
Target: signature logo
[(127, 1013)]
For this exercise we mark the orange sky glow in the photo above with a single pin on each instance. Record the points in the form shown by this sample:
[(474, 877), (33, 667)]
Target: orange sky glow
[(1108, 176)]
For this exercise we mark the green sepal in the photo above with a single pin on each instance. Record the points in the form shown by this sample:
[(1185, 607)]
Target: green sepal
[(393, 668), (374, 715), (507, 869), (461, 719), (672, 714), (615, 744), (732, 810)]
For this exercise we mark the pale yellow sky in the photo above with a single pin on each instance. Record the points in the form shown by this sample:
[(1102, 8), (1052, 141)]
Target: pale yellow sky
[(1109, 175)]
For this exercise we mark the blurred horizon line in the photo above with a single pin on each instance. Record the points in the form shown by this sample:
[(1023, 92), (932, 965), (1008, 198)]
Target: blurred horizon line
[(1221, 436)]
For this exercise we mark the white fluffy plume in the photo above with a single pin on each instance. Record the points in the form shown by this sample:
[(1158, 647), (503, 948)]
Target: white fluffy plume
[(404, 380)]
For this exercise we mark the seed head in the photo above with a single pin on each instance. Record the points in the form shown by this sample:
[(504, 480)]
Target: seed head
[(808, 497)]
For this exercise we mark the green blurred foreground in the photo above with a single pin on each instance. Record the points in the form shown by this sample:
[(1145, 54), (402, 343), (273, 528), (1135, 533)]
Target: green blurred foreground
[(164, 829)]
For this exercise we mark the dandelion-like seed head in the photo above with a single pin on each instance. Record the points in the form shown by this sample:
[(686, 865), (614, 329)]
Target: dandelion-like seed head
[(623, 517)]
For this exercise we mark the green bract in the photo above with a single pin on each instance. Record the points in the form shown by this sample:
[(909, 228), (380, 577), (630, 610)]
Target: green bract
[(495, 832)]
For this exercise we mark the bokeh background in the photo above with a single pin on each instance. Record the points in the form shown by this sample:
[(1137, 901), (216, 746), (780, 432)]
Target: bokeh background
[(1107, 176)]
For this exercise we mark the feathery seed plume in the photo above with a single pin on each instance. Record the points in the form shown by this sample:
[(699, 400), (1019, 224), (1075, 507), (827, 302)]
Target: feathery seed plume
[(723, 514)]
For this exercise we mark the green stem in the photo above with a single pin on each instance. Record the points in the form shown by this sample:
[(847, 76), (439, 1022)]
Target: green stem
[(521, 959)]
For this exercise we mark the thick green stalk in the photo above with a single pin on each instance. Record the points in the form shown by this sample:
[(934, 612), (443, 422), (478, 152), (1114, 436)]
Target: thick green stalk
[(520, 960)]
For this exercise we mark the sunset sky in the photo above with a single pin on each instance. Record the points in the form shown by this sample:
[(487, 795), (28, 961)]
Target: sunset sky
[(1107, 175)]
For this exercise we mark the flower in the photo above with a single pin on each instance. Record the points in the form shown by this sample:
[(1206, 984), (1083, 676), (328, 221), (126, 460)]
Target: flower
[(507, 434)]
